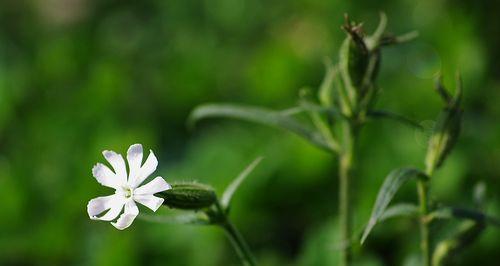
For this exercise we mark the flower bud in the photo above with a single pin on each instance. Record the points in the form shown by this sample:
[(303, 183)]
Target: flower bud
[(446, 129), (189, 196), (354, 56)]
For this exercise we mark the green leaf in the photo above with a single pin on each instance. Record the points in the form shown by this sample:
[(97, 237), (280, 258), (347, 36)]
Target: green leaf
[(467, 214), (259, 115), (394, 116), (399, 210), (195, 218), (229, 192), (391, 185), (326, 91), (403, 38), (373, 40), (332, 111)]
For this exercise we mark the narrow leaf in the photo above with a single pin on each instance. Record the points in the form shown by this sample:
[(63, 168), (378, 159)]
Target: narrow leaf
[(377, 35), (467, 214), (258, 115), (229, 192), (394, 116), (326, 92), (309, 106), (399, 210), (403, 38), (391, 185)]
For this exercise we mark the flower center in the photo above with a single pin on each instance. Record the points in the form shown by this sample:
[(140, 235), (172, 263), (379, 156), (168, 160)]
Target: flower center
[(127, 192)]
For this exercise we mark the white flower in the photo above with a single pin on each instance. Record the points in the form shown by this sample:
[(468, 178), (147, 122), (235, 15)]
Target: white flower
[(127, 190)]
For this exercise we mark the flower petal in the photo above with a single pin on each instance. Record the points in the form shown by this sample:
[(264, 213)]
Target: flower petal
[(154, 186), (116, 160), (105, 176), (128, 216), (134, 158), (149, 201), (146, 169), (113, 203), (98, 205)]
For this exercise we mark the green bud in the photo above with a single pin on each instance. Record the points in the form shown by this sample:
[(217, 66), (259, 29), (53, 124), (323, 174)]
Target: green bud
[(354, 57), (358, 65), (189, 196), (446, 129)]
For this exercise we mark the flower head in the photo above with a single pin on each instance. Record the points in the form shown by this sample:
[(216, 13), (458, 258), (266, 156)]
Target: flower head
[(127, 187)]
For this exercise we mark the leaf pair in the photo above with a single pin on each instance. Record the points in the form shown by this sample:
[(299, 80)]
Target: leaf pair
[(391, 185), (393, 182), (284, 120)]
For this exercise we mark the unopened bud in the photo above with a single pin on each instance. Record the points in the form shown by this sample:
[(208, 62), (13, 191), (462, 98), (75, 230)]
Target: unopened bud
[(189, 196), (354, 55), (358, 65), (446, 129)]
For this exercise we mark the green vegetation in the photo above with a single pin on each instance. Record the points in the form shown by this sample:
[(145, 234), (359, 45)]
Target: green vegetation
[(80, 76)]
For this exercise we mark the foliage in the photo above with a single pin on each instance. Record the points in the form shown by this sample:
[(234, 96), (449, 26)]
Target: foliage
[(105, 74)]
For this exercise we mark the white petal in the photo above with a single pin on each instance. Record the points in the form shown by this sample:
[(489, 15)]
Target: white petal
[(134, 158), (105, 176), (149, 201), (154, 186), (116, 160), (147, 169), (113, 203), (128, 216), (98, 205)]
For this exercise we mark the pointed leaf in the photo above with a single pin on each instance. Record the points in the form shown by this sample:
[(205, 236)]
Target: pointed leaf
[(373, 40), (326, 91), (229, 192), (394, 116), (258, 115), (391, 185), (467, 214), (399, 210)]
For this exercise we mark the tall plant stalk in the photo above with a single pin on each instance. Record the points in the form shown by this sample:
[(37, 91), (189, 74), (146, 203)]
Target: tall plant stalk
[(346, 161), (345, 100), (423, 191)]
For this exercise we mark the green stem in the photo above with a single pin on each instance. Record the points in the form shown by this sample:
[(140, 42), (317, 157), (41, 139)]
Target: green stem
[(423, 191), (236, 239), (345, 171)]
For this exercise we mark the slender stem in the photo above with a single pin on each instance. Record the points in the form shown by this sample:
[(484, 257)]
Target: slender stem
[(423, 191), (345, 171), (236, 239)]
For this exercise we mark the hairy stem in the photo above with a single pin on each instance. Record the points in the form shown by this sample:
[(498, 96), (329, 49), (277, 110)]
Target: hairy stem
[(237, 240), (345, 171), (423, 191)]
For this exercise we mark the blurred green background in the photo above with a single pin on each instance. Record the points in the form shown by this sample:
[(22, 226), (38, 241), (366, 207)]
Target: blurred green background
[(81, 76)]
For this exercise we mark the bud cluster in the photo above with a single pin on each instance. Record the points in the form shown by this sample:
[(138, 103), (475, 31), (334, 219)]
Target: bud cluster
[(359, 61)]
